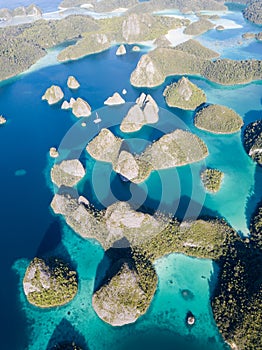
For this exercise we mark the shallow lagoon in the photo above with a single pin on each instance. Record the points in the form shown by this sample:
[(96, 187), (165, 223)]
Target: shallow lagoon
[(29, 228)]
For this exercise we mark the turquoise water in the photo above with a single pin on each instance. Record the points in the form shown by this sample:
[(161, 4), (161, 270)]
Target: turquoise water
[(29, 228)]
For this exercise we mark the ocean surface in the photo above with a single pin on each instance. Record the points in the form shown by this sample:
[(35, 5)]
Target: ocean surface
[(29, 228)]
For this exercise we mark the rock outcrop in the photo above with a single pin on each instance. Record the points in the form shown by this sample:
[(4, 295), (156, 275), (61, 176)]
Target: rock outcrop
[(144, 112), (53, 152), (184, 94), (178, 148), (67, 173), (53, 95), (116, 99), (121, 50), (105, 147), (125, 296), (218, 120), (81, 108), (72, 83), (49, 283), (2, 120)]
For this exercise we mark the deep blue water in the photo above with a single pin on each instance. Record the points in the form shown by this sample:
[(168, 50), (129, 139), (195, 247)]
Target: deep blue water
[(28, 227)]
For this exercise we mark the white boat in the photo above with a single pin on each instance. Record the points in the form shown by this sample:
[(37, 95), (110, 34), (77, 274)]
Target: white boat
[(97, 120)]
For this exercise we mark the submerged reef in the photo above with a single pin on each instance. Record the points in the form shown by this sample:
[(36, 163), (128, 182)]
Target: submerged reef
[(49, 283)]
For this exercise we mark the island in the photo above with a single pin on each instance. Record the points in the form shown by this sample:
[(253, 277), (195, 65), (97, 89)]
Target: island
[(53, 152), (199, 27), (144, 112), (80, 107), (218, 119), (21, 11), (127, 293), (154, 67), (184, 94), (49, 282), (212, 179), (67, 173), (53, 95), (115, 99), (193, 47), (2, 120), (237, 300), (121, 50), (253, 141), (177, 148), (253, 11), (72, 83)]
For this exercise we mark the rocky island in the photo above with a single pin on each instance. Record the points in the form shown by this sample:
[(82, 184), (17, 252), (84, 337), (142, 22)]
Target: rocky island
[(218, 120), (53, 95), (67, 173), (199, 27), (212, 179), (253, 141), (154, 67), (115, 99), (126, 296), (72, 83), (80, 108), (184, 94), (2, 120), (144, 112), (49, 283), (175, 149)]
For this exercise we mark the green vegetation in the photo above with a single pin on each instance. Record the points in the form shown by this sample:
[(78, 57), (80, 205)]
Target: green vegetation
[(199, 27), (212, 179), (184, 94), (169, 61), (49, 283), (119, 29), (218, 120), (253, 141), (238, 296), (253, 11), (193, 47), (128, 292), (21, 46), (201, 238)]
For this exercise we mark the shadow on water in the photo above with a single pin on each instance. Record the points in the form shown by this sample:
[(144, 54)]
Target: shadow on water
[(158, 338), (66, 333), (255, 196), (51, 239), (112, 261)]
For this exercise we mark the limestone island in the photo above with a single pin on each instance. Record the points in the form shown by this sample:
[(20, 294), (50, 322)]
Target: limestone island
[(175, 149), (126, 296), (53, 152), (121, 50), (53, 95), (2, 120), (212, 179), (68, 105), (199, 27), (81, 108), (193, 47), (31, 12), (218, 120), (253, 141), (155, 66), (67, 173), (72, 83), (184, 94), (144, 112), (116, 99), (49, 283)]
